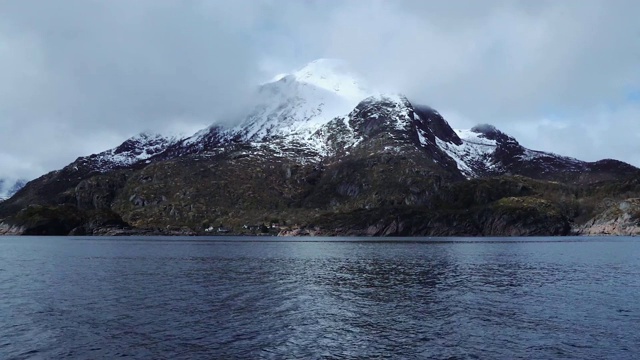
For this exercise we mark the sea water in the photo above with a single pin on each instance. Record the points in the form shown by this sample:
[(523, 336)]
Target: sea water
[(319, 298)]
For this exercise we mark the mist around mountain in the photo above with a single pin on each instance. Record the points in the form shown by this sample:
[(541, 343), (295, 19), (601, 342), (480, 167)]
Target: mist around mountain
[(321, 152), (8, 187)]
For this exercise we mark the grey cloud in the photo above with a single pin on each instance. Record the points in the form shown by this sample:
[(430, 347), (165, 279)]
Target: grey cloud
[(76, 75), (116, 61), (503, 59), (602, 133)]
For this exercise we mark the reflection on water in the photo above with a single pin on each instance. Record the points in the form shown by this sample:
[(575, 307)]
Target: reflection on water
[(104, 298)]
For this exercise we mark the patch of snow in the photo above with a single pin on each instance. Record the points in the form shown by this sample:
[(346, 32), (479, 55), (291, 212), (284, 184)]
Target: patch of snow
[(136, 149), (474, 137), (421, 137), (202, 134), (401, 108), (393, 149), (473, 150)]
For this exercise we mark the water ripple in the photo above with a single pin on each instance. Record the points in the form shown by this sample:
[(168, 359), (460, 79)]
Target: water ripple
[(62, 298)]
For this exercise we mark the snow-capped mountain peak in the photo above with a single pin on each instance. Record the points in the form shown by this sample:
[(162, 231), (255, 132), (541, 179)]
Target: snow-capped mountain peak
[(297, 105), (324, 109)]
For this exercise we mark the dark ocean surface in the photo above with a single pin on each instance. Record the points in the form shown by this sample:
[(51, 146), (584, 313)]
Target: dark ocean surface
[(319, 298)]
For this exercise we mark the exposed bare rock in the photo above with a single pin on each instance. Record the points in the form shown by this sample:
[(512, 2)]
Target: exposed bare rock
[(622, 218), (7, 229)]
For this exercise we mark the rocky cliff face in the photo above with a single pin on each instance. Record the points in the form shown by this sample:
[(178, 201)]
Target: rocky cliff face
[(621, 218), (516, 219), (321, 154)]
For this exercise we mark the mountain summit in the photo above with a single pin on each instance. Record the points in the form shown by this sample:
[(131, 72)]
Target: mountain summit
[(298, 104), (322, 152)]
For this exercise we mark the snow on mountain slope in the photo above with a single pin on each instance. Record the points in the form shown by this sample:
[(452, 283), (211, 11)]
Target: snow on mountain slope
[(134, 150), (305, 109), (485, 150), (382, 112), (298, 104), (285, 113), (475, 152), (326, 108)]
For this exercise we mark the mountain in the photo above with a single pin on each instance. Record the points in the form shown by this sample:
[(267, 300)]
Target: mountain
[(486, 151), (288, 111), (297, 105), (53, 188), (135, 151), (320, 152)]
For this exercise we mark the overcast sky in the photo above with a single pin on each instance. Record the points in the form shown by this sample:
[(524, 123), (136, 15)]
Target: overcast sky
[(80, 76)]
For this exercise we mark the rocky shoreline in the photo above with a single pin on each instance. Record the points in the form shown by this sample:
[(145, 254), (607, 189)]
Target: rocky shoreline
[(506, 217), (612, 228)]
